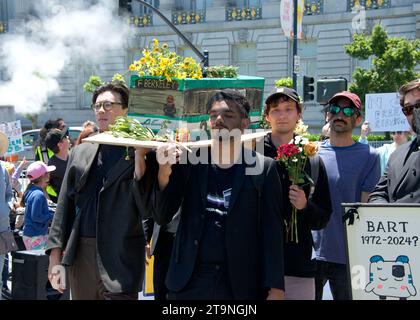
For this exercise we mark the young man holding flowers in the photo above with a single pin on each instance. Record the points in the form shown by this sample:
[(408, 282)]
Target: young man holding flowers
[(304, 210), (353, 170)]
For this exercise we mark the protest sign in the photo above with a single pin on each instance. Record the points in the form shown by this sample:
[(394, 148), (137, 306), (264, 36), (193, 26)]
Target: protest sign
[(383, 111), (383, 250), (13, 131)]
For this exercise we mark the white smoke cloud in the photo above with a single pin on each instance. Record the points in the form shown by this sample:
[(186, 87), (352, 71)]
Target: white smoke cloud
[(36, 55)]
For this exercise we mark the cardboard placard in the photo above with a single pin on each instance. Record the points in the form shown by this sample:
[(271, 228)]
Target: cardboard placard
[(383, 250)]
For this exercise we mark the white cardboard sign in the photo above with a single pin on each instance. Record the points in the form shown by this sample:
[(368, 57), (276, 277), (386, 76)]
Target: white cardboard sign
[(383, 250), (383, 111)]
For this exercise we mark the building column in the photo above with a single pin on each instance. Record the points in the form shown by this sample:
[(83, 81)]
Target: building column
[(218, 3), (416, 10), (166, 5)]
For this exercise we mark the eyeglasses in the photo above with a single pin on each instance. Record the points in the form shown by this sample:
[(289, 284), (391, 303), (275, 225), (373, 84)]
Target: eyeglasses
[(107, 105), (408, 110), (397, 132), (347, 111)]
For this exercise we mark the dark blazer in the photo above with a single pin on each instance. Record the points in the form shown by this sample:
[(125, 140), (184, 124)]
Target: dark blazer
[(120, 238), (254, 226), (152, 230), (401, 179)]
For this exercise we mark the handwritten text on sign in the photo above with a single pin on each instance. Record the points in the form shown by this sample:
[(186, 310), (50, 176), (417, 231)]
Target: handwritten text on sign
[(13, 131), (383, 111)]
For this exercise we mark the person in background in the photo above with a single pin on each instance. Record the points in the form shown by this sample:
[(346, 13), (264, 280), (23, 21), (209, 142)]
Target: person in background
[(59, 142), (400, 182), (6, 200), (89, 129), (37, 213), (325, 132), (399, 137), (42, 153), (15, 173)]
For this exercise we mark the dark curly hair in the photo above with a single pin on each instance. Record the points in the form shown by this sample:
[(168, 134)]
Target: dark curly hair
[(231, 97)]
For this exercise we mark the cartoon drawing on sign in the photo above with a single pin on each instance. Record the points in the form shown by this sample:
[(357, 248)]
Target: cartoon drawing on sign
[(390, 278)]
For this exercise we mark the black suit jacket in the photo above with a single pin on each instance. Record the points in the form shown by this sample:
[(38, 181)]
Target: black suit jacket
[(254, 241), (120, 238), (401, 179)]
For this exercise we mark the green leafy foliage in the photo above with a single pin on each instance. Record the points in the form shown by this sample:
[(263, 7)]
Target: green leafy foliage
[(125, 127), (118, 78), (284, 82), (93, 82), (222, 72), (393, 63)]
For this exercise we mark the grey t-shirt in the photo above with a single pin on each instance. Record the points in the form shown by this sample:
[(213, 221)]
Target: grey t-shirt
[(350, 171)]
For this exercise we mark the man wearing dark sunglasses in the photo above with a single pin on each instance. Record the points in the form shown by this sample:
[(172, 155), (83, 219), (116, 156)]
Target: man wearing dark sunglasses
[(353, 170), (400, 182)]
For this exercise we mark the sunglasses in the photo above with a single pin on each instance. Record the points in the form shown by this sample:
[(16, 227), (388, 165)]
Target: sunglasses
[(397, 132), (408, 110), (347, 111), (107, 105)]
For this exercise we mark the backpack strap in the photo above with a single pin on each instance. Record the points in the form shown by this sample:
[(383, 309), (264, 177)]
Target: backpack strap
[(315, 163)]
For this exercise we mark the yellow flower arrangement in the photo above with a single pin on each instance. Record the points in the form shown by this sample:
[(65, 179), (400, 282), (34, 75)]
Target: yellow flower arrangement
[(159, 61)]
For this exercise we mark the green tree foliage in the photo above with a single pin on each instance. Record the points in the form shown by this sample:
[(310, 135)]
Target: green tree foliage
[(393, 63), (284, 82)]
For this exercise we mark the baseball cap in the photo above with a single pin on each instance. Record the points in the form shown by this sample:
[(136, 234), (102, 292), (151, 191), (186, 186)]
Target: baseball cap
[(283, 91), (37, 169), (354, 98), (54, 136)]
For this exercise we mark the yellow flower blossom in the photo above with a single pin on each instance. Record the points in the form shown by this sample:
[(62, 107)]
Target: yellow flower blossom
[(159, 61)]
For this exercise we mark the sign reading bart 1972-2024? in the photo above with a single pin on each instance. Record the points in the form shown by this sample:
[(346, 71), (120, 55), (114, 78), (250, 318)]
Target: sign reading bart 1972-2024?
[(383, 249)]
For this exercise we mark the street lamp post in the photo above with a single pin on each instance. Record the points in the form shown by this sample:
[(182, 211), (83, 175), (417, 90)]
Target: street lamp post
[(295, 42)]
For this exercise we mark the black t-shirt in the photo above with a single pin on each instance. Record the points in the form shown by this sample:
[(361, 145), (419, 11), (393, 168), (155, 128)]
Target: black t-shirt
[(106, 158), (219, 189), (56, 176)]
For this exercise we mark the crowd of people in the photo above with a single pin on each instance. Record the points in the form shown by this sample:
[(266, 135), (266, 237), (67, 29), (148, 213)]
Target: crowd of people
[(218, 228)]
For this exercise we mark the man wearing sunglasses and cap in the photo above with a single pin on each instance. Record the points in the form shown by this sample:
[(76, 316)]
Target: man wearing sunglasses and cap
[(353, 170), (400, 182)]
